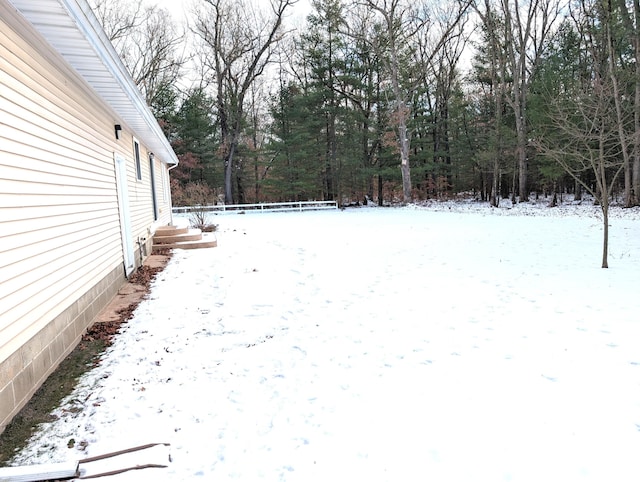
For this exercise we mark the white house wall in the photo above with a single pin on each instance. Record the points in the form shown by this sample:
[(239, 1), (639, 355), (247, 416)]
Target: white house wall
[(61, 257)]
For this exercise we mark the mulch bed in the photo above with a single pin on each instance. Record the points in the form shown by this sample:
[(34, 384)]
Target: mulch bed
[(105, 331)]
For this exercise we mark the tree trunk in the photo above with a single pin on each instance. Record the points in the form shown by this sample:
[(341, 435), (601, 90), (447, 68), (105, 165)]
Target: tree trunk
[(392, 22), (635, 198), (404, 160), (494, 197), (523, 165), (228, 175), (578, 192), (605, 242), (240, 196), (622, 135), (604, 196), (514, 185), (636, 175)]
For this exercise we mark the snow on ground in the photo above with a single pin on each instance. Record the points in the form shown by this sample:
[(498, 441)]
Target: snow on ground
[(448, 343)]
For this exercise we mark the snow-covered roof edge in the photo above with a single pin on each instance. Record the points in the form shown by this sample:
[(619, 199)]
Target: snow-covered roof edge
[(71, 27)]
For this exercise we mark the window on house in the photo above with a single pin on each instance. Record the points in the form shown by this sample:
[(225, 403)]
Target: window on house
[(136, 155), (152, 178)]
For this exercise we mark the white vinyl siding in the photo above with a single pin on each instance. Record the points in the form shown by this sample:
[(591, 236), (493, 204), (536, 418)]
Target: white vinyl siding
[(60, 228), (62, 92), (60, 231), (140, 201)]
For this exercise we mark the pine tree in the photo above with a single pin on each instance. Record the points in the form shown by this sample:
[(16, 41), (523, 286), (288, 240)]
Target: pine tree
[(195, 141), (296, 169)]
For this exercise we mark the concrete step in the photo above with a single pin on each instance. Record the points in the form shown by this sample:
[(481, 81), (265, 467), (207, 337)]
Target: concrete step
[(186, 235), (170, 231), (207, 240)]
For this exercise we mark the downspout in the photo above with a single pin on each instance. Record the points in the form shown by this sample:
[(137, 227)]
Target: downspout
[(170, 198)]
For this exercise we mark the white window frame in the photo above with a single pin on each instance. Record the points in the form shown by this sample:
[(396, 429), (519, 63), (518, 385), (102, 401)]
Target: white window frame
[(136, 159)]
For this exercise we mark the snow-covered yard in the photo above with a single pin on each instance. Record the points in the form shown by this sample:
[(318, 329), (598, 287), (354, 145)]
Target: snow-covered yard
[(451, 343)]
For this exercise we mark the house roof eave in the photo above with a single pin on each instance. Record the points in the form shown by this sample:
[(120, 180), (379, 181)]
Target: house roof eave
[(71, 28)]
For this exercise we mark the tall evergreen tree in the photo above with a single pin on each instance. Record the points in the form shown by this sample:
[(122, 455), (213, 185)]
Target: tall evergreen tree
[(195, 141), (323, 45), (297, 149)]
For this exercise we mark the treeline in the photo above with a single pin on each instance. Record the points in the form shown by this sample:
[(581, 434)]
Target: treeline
[(393, 100)]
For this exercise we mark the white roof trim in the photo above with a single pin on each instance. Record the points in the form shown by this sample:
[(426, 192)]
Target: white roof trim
[(71, 27)]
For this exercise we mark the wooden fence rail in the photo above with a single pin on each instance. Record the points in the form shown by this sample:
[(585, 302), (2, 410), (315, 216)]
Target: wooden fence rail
[(265, 207)]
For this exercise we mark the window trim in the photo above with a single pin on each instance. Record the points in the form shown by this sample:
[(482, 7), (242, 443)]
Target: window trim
[(152, 179), (136, 159)]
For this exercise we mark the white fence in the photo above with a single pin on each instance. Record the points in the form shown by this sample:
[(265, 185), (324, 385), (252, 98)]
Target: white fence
[(265, 207)]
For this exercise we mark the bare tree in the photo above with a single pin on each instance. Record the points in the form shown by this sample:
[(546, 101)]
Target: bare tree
[(118, 17), (159, 56), (147, 40), (402, 22), (442, 74), (583, 136), (497, 79), (238, 41), (527, 26)]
